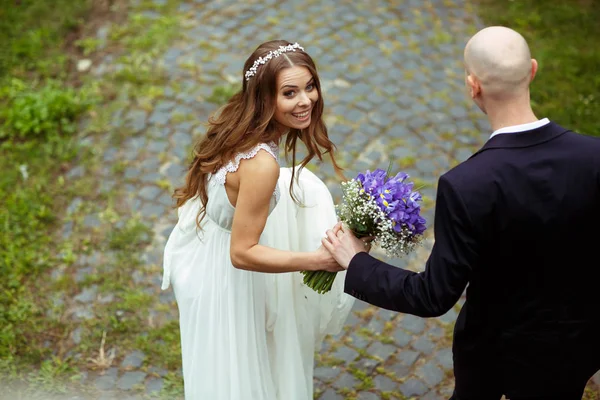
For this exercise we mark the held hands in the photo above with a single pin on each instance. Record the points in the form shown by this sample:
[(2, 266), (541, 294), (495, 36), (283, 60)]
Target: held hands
[(343, 245), (326, 262)]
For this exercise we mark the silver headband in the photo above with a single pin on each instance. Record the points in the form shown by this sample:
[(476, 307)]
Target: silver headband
[(272, 54)]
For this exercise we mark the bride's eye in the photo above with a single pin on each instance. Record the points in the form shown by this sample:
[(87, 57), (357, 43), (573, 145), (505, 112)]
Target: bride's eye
[(289, 93), (310, 86)]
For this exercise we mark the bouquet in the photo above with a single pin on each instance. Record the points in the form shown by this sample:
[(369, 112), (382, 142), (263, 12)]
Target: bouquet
[(379, 206)]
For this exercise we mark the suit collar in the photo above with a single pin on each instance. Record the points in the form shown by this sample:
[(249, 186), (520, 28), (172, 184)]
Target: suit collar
[(523, 139), (522, 127)]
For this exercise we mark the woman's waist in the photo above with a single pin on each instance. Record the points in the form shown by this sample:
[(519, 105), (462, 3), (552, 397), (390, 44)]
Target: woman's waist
[(189, 222)]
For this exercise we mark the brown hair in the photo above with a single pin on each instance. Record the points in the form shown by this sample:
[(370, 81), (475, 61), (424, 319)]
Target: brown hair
[(247, 120)]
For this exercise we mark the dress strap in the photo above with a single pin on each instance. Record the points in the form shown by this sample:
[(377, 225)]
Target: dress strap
[(221, 175)]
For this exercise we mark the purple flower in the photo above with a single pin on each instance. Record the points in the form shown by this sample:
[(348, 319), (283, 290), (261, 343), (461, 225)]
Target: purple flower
[(372, 180), (396, 198)]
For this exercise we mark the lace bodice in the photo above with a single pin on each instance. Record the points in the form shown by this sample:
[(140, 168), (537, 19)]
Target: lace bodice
[(219, 209), (221, 175)]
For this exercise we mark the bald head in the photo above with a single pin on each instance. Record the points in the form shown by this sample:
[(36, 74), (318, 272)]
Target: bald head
[(500, 59)]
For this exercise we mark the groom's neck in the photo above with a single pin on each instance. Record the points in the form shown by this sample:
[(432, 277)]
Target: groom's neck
[(504, 113)]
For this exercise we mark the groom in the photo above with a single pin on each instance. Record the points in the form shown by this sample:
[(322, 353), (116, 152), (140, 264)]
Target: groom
[(518, 223)]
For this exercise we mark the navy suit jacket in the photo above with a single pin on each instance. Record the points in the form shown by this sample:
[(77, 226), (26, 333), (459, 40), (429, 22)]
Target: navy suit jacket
[(517, 224)]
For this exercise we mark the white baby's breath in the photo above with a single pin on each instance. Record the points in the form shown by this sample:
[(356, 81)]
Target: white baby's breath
[(359, 210)]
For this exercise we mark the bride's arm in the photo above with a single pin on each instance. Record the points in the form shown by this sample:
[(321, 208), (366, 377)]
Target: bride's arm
[(257, 179)]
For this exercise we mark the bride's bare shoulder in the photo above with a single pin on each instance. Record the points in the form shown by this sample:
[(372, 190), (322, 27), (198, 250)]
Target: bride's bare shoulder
[(263, 165)]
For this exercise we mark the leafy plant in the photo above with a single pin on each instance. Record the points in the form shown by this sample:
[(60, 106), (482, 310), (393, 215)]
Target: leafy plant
[(41, 110)]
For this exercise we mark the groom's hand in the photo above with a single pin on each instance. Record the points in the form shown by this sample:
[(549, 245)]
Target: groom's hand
[(343, 245)]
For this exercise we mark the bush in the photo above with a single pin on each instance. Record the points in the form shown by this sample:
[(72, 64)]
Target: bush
[(44, 110)]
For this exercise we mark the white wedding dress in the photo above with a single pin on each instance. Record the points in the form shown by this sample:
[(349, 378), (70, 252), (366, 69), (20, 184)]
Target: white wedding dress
[(249, 335)]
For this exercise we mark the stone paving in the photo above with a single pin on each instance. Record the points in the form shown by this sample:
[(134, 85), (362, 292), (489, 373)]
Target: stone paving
[(392, 81)]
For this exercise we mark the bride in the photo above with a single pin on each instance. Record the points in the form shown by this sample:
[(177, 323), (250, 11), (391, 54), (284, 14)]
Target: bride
[(249, 326)]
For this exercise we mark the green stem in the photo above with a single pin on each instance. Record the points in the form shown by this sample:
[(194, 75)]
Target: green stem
[(319, 281), (321, 285), (314, 276), (322, 279), (327, 282)]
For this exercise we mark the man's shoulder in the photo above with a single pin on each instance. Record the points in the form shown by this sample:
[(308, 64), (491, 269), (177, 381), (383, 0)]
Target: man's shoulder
[(583, 138), (476, 170), (575, 136), (586, 146), (465, 171)]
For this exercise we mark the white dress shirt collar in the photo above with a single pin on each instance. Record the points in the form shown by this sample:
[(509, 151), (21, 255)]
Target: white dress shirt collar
[(521, 128)]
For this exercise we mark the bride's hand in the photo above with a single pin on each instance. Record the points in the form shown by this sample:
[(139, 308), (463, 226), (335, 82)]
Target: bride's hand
[(343, 245), (326, 262)]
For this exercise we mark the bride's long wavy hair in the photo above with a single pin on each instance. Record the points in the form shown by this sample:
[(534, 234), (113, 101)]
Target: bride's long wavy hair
[(247, 120)]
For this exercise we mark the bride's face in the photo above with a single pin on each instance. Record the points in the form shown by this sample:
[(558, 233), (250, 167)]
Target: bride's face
[(296, 98)]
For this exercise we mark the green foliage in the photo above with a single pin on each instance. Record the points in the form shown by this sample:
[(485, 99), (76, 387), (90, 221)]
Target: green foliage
[(173, 387), (29, 195), (130, 237), (41, 110), (35, 122), (563, 38), (51, 375), (139, 69), (39, 119), (157, 32), (141, 39), (88, 45), (32, 34), (33, 119), (163, 344), (221, 94)]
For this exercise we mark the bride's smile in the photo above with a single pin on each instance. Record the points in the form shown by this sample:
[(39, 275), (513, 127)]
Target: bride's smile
[(296, 97)]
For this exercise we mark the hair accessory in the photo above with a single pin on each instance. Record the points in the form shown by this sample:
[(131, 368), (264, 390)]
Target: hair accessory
[(272, 54)]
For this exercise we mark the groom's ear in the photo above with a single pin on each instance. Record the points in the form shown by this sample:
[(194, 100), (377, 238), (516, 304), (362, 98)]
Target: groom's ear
[(534, 68), (474, 86)]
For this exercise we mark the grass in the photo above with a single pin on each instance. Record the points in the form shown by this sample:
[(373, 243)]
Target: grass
[(33, 34), (37, 121), (563, 37), (42, 104)]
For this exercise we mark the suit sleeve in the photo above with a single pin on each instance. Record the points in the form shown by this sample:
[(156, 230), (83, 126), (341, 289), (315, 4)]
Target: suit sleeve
[(434, 291)]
